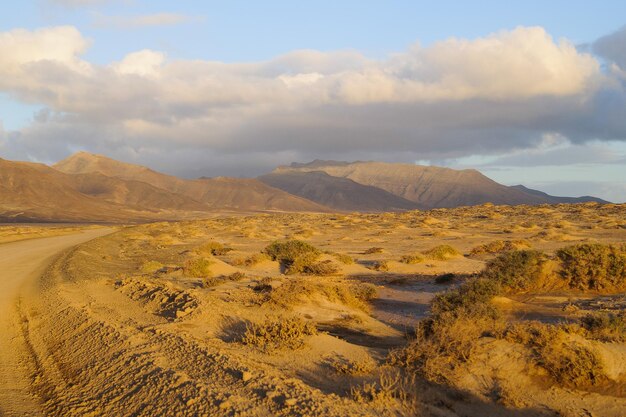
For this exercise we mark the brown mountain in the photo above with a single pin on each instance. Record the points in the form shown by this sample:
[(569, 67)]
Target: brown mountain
[(428, 187), (337, 193), (216, 193), (35, 192)]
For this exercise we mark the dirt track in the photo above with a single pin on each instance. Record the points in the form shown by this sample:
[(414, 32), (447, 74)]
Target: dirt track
[(20, 265)]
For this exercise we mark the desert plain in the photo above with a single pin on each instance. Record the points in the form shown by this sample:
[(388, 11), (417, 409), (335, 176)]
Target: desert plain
[(472, 311)]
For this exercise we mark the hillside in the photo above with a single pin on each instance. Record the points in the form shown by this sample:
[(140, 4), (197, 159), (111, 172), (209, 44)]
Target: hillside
[(337, 193), (427, 186), (217, 193)]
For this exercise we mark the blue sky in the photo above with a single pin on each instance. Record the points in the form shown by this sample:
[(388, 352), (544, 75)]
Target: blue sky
[(193, 33)]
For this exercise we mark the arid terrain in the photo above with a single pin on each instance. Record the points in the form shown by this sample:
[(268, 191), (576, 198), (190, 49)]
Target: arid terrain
[(474, 311)]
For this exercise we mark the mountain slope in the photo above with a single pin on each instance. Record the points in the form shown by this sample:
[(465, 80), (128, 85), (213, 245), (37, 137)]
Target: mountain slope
[(31, 192), (217, 193), (557, 200), (335, 192)]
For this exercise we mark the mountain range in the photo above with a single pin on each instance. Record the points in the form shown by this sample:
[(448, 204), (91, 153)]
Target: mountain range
[(94, 188)]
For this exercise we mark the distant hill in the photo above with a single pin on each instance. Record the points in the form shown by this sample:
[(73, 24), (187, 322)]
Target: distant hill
[(217, 193), (337, 193), (560, 200), (427, 186)]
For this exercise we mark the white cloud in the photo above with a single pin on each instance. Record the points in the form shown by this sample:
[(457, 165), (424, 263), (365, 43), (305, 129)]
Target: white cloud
[(507, 91), (131, 22)]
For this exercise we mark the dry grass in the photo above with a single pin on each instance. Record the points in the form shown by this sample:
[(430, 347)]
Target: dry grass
[(213, 248), (499, 246), (278, 333), (412, 259), (198, 267), (150, 267), (442, 253)]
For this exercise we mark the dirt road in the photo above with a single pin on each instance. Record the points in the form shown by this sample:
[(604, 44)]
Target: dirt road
[(21, 263)]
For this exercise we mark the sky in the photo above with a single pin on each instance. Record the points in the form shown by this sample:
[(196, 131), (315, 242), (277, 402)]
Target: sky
[(531, 93)]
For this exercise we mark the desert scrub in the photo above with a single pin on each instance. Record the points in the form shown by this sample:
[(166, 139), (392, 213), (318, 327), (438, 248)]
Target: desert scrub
[(391, 389), (381, 266), (251, 260), (150, 267), (593, 266), (517, 270), (278, 333), (198, 267), (323, 268), (499, 246), (470, 299), (442, 253), (343, 258), (213, 248), (373, 250), (412, 259), (445, 278), (606, 327), (342, 365), (568, 361), (294, 255), (211, 281)]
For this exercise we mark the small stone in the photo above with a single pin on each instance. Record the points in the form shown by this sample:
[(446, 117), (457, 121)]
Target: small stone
[(290, 402), (246, 376), (225, 404)]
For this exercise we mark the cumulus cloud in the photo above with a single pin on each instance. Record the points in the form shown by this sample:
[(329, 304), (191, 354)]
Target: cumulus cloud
[(131, 22), (458, 97)]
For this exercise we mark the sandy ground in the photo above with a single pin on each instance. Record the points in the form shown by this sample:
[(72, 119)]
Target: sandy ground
[(20, 264)]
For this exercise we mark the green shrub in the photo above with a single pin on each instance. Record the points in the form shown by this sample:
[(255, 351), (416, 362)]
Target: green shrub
[(278, 333), (471, 298), (442, 253), (198, 267), (294, 255), (593, 266), (517, 270)]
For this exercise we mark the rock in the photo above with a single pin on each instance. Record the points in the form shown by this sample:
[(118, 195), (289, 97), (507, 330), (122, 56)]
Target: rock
[(246, 376)]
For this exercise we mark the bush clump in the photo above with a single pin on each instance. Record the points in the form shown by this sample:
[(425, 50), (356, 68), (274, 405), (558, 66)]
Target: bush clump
[(606, 327), (322, 268), (442, 253), (198, 267), (593, 266), (294, 255), (344, 259), (381, 266), (518, 270), (499, 246), (278, 333), (151, 267), (412, 259), (373, 250), (214, 248)]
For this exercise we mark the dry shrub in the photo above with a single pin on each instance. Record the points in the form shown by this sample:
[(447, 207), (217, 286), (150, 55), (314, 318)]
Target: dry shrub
[(381, 266), (373, 250), (344, 259), (295, 256), (412, 259), (392, 389), (593, 266), (499, 246), (278, 333), (569, 361), (251, 260), (518, 270), (211, 281), (606, 327), (150, 267), (323, 268), (213, 248), (442, 253), (198, 267), (445, 278), (342, 365)]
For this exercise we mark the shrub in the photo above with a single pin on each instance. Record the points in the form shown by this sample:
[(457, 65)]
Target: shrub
[(236, 276), (344, 259), (499, 246), (278, 333), (151, 267), (342, 365), (415, 258), (606, 327), (471, 298), (382, 266), (198, 267), (442, 253), (593, 266), (251, 260), (322, 268), (373, 250), (214, 248), (517, 270), (296, 256)]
